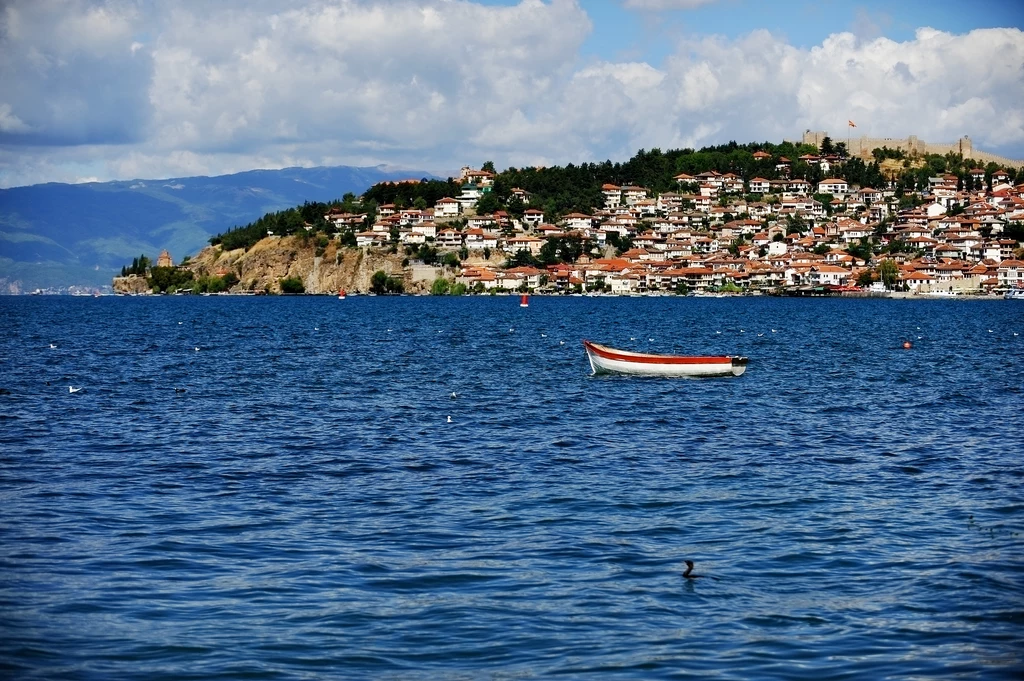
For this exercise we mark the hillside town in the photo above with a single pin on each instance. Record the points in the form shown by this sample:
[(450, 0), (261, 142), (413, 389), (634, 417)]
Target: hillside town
[(720, 233)]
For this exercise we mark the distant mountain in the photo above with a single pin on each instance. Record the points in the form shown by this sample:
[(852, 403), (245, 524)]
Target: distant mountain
[(56, 235)]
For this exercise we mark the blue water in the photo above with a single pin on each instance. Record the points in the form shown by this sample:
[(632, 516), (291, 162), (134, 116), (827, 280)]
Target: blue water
[(305, 511)]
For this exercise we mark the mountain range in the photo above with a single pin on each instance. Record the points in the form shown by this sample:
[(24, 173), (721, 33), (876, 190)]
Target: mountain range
[(59, 235)]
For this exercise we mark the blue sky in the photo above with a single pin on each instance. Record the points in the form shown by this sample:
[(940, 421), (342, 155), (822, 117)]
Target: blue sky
[(622, 33), (125, 89)]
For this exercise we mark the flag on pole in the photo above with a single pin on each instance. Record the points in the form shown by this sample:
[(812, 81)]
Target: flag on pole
[(852, 124)]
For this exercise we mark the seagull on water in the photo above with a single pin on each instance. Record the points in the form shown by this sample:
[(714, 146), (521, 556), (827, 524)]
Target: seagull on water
[(73, 389), (449, 419), (544, 335), (53, 346), (197, 348), (561, 342), (759, 335), (180, 390), (454, 395), (773, 330)]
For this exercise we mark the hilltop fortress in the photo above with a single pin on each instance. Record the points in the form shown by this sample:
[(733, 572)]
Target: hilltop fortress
[(863, 146)]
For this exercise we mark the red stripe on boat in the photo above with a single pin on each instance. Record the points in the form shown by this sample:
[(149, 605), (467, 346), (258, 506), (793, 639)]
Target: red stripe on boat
[(646, 358)]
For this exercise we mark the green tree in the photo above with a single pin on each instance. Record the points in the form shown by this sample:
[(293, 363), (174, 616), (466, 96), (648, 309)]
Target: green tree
[(379, 282), (292, 285), (887, 273), (487, 203), (440, 287)]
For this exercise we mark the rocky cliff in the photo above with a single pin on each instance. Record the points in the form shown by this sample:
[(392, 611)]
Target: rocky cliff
[(263, 266)]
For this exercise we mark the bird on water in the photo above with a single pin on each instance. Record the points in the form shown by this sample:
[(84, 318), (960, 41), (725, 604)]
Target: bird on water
[(688, 573)]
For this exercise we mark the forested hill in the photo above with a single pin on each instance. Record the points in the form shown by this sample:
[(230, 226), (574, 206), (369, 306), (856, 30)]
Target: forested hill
[(54, 235), (559, 190)]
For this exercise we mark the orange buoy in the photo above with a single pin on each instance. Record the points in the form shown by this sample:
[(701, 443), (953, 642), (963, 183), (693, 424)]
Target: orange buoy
[(907, 345)]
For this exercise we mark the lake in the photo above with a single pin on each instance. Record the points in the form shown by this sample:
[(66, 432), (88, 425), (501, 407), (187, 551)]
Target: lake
[(269, 488)]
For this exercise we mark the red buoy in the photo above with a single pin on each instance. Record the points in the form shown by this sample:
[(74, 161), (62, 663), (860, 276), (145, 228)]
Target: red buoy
[(524, 300), (907, 345)]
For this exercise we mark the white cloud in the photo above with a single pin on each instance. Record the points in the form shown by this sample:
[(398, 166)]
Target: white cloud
[(9, 122), (160, 90), (659, 5)]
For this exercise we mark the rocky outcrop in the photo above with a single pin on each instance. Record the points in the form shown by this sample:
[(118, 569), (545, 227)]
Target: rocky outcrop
[(131, 285), (321, 269)]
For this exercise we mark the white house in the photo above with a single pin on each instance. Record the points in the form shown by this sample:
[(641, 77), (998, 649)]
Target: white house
[(759, 185), (533, 217), (612, 195), (575, 221), (833, 186), (446, 208), (633, 194)]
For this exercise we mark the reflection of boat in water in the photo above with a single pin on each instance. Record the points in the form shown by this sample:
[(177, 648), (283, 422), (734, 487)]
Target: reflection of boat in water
[(604, 359)]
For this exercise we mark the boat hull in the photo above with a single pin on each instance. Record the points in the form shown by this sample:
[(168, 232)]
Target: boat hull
[(606, 360)]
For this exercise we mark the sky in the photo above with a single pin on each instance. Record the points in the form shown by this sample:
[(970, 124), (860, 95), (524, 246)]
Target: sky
[(96, 90)]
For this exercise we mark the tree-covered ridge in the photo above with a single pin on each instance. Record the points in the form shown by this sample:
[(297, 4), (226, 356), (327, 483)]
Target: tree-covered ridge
[(560, 190), (302, 220)]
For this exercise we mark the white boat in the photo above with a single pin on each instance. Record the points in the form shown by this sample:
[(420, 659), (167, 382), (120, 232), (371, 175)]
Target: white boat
[(604, 359), (1014, 294)]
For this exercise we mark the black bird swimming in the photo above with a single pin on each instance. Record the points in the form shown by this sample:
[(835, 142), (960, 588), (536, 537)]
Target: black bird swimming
[(688, 573)]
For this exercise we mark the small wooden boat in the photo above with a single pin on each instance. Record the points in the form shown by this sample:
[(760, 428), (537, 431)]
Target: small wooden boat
[(604, 359)]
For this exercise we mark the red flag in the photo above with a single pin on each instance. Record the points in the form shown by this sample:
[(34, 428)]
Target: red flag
[(852, 124)]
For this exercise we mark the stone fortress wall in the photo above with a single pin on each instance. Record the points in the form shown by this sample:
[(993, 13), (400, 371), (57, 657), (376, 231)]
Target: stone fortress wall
[(863, 146)]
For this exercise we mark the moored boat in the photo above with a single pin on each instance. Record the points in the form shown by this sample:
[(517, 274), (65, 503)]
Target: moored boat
[(604, 359)]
